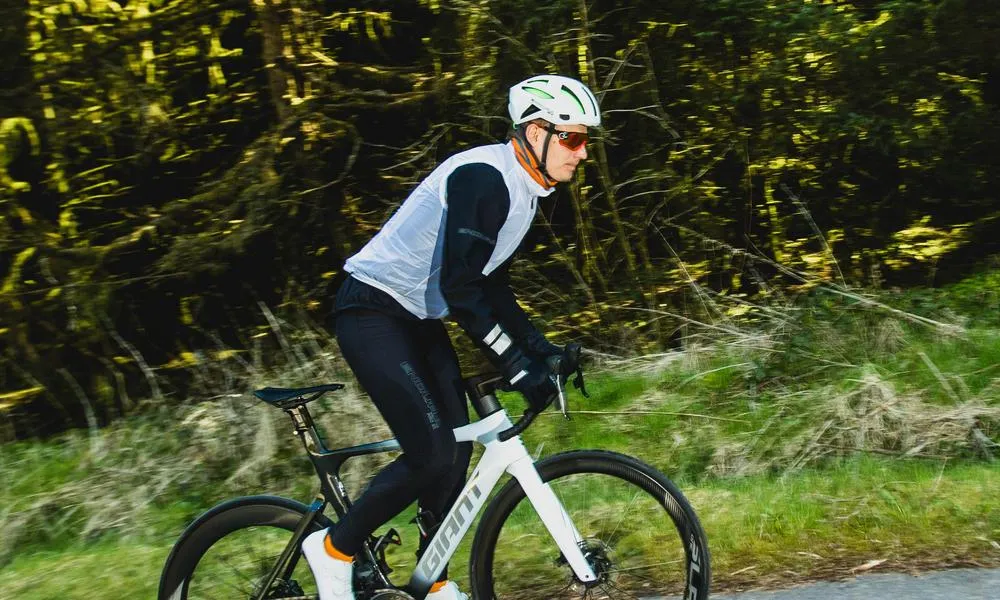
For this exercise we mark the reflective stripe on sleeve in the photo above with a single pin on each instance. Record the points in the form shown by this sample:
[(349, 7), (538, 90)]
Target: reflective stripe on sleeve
[(497, 340), (492, 335), (518, 377), (501, 344)]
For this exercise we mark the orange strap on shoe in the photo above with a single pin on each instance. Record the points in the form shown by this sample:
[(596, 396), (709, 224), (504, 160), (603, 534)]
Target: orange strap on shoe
[(328, 546), (527, 159), (437, 586)]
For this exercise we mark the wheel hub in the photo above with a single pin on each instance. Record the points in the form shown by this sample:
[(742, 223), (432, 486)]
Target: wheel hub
[(598, 556)]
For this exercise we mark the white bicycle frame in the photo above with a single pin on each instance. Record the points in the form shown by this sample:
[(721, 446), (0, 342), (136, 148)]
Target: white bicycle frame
[(512, 457)]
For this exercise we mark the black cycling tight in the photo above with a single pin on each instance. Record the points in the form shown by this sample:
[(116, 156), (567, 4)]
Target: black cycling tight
[(410, 370)]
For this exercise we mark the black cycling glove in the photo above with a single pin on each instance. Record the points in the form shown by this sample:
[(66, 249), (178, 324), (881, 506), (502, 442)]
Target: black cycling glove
[(535, 385), (536, 346)]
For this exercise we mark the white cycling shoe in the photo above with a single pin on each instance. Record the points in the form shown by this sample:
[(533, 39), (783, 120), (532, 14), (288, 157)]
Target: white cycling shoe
[(333, 576), (450, 591)]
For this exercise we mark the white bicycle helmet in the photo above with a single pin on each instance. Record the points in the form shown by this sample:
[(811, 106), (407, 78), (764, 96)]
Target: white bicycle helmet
[(554, 98)]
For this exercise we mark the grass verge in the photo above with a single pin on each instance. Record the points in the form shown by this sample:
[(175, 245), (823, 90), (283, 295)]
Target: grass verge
[(762, 530), (822, 439)]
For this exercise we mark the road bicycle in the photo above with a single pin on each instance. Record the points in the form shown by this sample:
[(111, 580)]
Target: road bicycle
[(580, 524)]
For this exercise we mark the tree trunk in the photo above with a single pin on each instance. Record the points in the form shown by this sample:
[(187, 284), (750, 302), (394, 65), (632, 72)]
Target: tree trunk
[(269, 13), (603, 171)]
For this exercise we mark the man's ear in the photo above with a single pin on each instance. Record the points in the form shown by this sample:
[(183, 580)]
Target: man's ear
[(534, 132)]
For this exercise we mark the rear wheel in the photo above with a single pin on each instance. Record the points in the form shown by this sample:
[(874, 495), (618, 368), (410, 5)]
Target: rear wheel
[(228, 552), (640, 535)]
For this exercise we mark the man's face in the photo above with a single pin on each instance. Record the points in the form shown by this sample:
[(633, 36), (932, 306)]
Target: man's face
[(560, 162)]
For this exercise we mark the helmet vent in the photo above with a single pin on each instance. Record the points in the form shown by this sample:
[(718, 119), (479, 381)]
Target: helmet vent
[(537, 92), (530, 111), (570, 93), (590, 96)]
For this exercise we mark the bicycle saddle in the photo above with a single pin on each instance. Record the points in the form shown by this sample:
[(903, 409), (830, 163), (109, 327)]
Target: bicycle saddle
[(292, 397)]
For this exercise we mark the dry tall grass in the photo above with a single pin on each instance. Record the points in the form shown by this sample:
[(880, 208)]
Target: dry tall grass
[(126, 478), (219, 444)]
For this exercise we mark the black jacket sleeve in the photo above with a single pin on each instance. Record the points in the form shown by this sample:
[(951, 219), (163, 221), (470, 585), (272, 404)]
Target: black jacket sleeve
[(501, 296), (478, 205)]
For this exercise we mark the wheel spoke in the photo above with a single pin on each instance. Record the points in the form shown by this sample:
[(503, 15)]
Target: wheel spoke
[(238, 573), (568, 585), (240, 590), (649, 566), (656, 582), (246, 569), (628, 507), (628, 536), (262, 567), (617, 589)]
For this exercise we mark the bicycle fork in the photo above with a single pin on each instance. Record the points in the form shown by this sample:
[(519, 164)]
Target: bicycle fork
[(552, 513)]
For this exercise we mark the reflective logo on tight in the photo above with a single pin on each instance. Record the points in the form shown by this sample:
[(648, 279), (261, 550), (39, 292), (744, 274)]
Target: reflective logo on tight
[(477, 235), (432, 414)]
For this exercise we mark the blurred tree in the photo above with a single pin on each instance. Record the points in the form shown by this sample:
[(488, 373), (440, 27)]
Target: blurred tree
[(168, 167)]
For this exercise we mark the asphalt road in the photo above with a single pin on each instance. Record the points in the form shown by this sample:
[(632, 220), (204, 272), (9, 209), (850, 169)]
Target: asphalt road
[(957, 584)]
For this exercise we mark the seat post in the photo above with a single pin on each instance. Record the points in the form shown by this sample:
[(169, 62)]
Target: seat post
[(305, 428)]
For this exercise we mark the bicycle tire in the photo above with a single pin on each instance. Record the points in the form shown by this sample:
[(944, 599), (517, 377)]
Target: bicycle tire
[(221, 521), (587, 474)]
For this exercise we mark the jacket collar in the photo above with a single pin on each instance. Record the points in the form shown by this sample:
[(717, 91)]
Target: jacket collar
[(528, 173)]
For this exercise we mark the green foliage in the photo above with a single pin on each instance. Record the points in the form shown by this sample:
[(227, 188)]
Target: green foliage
[(854, 441), (169, 168), (801, 525), (10, 136)]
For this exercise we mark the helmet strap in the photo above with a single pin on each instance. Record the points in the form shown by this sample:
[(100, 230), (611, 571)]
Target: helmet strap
[(545, 151), (529, 160)]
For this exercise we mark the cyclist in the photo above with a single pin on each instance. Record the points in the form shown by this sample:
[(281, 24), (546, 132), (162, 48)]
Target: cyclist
[(447, 250)]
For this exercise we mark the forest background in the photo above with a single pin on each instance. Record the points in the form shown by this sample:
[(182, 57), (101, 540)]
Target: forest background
[(781, 257), (177, 176)]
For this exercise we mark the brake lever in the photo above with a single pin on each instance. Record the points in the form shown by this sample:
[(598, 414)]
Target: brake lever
[(561, 397), (579, 384)]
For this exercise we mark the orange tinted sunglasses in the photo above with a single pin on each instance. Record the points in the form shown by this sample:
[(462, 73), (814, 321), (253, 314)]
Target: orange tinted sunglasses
[(571, 140)]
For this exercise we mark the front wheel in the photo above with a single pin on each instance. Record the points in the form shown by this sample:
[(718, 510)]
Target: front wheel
[(229, 551), (640, 535)]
